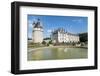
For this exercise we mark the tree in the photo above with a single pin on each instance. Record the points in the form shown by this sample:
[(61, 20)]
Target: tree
[(44, 42), (73, 43), (50, 42), (47, 38), (83, 37)]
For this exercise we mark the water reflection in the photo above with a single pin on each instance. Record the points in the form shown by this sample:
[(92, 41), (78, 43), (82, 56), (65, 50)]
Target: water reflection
[(57, 53)]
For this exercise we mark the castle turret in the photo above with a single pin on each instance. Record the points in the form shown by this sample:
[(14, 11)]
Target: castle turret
[(37, 32)]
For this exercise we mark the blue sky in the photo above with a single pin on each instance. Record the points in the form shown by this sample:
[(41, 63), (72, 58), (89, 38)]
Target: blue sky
[(72, 24)]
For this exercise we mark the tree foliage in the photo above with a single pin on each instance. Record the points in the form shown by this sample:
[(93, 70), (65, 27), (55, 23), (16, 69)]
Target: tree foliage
[(83, 37), (50, 42), (44, 42)]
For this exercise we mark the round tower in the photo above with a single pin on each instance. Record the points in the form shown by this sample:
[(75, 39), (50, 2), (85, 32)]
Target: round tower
[(37, 32)]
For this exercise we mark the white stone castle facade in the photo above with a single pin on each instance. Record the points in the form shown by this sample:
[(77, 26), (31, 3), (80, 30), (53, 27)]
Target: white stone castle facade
[(59, 36), (37, 33)]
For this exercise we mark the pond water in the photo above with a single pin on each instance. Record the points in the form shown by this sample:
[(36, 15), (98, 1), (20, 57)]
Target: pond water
[(57, 53)]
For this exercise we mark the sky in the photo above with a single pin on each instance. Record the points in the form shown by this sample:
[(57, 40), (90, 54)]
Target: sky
[(72, 24)]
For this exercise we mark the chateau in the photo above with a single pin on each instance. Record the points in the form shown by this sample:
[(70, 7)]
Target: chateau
[(57, 36), (60, 35), (37, 33)]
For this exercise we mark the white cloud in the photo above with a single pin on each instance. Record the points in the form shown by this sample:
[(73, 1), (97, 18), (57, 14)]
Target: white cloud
[(35, 20), (30, 22), (49, 31), (78, 20), (30, 25)]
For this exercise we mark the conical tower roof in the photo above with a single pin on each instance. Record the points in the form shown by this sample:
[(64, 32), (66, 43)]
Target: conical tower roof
[(38, 24)]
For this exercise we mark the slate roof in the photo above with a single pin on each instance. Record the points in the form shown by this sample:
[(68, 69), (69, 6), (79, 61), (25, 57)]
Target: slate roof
[(38, 24), (61, 30)]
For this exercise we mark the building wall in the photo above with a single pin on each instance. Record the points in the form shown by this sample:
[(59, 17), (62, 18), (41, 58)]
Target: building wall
[(65, 37), (37, 35)]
